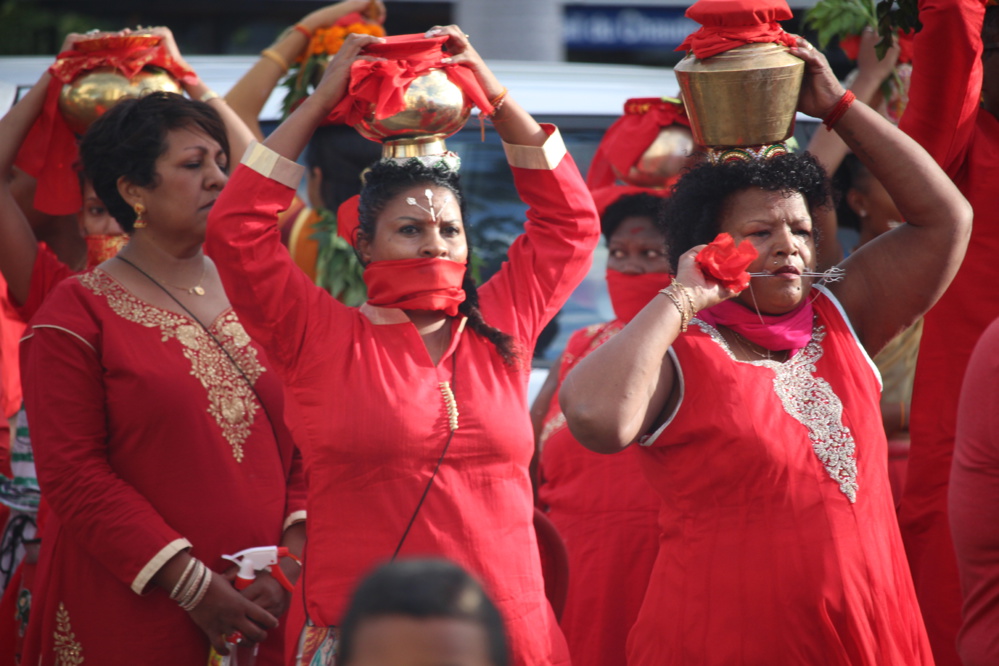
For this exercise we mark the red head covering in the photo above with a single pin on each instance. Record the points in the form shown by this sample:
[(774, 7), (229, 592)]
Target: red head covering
[(383, 83), (348, 220), (50, 151), (630, 136), (731, 23)]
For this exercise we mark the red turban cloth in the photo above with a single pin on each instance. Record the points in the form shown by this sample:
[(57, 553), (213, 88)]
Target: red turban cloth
[(731, 23)]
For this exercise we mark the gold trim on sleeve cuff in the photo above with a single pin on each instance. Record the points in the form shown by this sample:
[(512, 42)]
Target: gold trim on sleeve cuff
[(155, 564), (295, 517), (544, 157), (269, 164)]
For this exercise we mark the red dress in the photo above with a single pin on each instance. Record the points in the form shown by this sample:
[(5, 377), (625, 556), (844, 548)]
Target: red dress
[(607, 515), (779, 542), (944, 115), (369, 411), (147, 441), (974, 503)]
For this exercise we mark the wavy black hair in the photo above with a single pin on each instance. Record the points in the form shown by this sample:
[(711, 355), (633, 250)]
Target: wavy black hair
[(388, 179), (130, 137), (692, 215), (422, 589), (630, 205)]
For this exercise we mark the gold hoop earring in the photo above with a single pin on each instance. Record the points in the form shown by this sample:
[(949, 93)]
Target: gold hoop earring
[(139, 222)]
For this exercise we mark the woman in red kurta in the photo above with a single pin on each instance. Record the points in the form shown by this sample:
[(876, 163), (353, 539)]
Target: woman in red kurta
[(953, 112), (379, 392), (759, 425), (159, 443), (604, 510)]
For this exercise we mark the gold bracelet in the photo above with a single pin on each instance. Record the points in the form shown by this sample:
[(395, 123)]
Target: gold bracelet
[(209, 96), (276, 58), (670, 293), (688, 295)]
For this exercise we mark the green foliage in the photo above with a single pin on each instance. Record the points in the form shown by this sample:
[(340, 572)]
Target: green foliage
[(338, 270), (840, 18), (895, 16)]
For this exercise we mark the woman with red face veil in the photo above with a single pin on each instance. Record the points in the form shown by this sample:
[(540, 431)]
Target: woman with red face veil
[(412, 409), (603, 508), (758, 425), (952, 112)]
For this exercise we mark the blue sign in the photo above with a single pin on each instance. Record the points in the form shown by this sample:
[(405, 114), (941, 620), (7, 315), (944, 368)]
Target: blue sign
[(625, 28)]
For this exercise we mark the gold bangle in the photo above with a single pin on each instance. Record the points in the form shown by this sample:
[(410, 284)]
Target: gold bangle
[(209, 96), (670, 293), (276, 58), (687, 294)]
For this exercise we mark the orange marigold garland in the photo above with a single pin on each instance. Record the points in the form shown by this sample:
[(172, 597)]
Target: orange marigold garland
[(307, 69)]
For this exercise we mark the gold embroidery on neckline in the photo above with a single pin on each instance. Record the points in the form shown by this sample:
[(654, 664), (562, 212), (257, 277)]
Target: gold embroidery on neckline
[(812, 402), (68, 650), (231, 402)]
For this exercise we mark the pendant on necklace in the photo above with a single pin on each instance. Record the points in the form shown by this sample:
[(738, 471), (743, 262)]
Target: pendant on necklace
[(197, 291)]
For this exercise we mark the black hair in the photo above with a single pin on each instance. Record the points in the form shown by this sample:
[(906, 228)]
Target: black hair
[(630, 205), (385, 181), (130, 137), (851, 175), (342, 155), (423, 589), (692, 215)]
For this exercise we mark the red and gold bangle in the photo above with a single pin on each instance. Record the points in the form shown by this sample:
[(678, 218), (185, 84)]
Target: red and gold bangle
[(844, 103), (302, 29)]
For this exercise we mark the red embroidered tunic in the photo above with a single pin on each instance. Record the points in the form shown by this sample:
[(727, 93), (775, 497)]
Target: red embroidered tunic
[(147, 441), (779, 541), (607, 515), (945, 116), (369, 411)]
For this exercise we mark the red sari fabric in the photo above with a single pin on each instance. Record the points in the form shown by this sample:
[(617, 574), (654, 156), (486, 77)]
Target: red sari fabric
[(974, 503), (768, 554), (607, 515), (144, 436), (945, 116), (370, 416)]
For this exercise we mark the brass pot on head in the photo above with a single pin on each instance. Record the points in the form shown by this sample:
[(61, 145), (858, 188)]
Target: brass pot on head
[(92, 93), (746, 96), (663, 160), (435, 108)]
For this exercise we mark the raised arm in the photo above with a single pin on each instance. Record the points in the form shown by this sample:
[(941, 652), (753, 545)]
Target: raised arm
[(622, 388), (893, 280), (248, 96), (18, 246), (944, 93)]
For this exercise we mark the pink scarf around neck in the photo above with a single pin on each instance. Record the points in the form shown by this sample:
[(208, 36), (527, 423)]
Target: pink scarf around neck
[(790, 331)]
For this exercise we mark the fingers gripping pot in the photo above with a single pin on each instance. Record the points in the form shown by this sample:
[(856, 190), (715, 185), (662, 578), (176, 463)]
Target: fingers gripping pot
[(411, 100)]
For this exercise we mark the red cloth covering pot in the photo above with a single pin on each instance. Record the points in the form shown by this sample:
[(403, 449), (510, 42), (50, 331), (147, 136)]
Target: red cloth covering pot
[(731, 23), (50, 150), (630, 136), (384, 82)]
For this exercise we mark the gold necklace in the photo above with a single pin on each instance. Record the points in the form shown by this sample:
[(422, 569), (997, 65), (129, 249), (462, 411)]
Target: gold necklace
[(751, 350), (196, 290)]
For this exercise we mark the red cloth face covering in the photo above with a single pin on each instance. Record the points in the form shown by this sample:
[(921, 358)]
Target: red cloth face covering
[(630, 293), (775, 332), (416, 284)]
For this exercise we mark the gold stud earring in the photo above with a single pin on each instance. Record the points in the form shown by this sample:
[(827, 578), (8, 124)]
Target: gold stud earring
[(139, 222)]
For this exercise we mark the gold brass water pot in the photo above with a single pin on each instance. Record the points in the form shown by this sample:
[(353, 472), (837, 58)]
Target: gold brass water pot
[(92, 93), (661, 161), (435, 108), (746, 96)]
